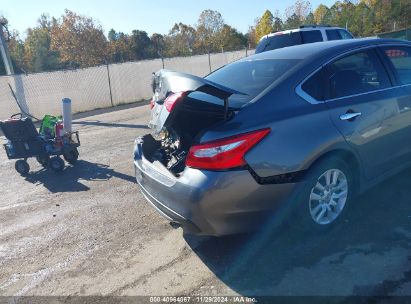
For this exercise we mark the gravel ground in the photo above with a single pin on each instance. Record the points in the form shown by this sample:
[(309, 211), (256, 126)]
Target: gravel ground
[(89, 231)]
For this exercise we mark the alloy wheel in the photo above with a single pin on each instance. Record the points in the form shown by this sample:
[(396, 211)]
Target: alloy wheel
[(328, 196)]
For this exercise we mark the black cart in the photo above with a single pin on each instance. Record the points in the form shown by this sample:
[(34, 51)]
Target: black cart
[(24, 141)]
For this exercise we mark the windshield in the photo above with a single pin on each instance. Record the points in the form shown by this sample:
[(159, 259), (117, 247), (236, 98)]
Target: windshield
[(250, 77)]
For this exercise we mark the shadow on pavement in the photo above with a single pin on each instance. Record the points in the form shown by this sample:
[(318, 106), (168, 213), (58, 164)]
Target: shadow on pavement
[(368, 254), (111, 109), (109, 125), (70, 179)]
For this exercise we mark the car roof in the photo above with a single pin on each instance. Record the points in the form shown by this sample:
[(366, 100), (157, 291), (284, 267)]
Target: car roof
[(322, 49), (302, 29)]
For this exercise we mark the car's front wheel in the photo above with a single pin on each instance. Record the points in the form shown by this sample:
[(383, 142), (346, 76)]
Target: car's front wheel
[(328, 191)]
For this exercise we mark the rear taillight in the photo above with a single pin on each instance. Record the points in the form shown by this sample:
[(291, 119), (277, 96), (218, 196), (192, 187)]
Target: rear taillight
[(152, 103), (224, 153), (173, 99)]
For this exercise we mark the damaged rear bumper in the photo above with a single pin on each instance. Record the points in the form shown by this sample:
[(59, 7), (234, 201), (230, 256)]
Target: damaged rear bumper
[(208, 202)]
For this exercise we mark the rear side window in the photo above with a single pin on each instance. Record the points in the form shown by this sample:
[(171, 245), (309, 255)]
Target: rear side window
[(400, 58), (355, 74), (313, 86), (278, 41), (311, 36)]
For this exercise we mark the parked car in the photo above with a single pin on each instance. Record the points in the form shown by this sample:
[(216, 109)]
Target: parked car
[(304, 34), (291, 134)]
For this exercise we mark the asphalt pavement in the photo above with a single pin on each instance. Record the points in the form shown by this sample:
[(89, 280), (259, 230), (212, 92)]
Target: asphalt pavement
[(89, 231)]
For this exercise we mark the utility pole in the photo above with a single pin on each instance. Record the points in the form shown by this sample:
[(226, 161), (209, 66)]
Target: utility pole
[(4, 51)]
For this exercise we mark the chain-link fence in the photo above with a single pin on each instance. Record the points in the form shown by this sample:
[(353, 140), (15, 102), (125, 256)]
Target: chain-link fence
[(400, 34), (98, 87)]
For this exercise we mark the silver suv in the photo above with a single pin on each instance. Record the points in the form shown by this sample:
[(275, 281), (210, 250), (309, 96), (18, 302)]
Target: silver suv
[(304, 34)]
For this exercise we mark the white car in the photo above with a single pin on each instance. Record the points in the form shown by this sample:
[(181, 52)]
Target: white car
[(304, 34)]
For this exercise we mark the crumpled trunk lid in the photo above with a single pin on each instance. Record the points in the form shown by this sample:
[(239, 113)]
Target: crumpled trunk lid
[(167, 82)]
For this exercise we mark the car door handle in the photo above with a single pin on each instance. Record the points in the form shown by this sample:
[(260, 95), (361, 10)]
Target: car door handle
[(350, 116)]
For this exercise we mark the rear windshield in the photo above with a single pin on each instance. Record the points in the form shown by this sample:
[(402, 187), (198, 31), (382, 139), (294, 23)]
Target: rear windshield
[(250, 77), (278, 41), (289, 39)]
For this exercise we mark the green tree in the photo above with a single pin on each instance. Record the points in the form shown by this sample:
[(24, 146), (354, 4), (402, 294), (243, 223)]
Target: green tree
[(179, 41), (278, 24), (210, 24), (309, 19), (361, 24), (297, 13), (264, 25), (322, 14), (119, 47), (79, 41), (230, 39), (38, 55), (342, 13), (389, 15), (16, 49), (158, 44), (251, 35), (400, 14), (141, 45), (15, 46), (292, 22), (112, 35)]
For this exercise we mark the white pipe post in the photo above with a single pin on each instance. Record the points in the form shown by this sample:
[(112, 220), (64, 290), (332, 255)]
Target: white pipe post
[(67, 117)]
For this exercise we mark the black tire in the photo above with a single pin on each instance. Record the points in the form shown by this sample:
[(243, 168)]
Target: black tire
[(56, 164), (71, 156), (22, 167), (309, 207), (43, 160)]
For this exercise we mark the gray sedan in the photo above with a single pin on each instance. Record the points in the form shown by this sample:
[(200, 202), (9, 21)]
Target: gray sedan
[(293, 133)]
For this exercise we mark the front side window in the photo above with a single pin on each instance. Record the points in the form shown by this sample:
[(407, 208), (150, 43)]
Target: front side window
[(345, 35), (358, 73), (332, 35), (400, 57), (338, 34)]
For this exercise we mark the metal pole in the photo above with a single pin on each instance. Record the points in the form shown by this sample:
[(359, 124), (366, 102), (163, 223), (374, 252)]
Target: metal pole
[(209, 61), (109, 84), (5, 53)]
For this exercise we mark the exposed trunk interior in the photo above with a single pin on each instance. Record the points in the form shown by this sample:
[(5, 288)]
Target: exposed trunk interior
[(186, 122)]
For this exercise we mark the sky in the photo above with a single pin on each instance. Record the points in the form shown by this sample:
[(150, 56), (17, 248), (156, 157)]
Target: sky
[(152, 16)]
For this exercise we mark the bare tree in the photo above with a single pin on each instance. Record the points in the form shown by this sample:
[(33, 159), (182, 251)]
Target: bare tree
[(300, 10)]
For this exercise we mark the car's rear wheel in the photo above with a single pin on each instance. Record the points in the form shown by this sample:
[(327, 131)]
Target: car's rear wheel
[(326, 195)]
